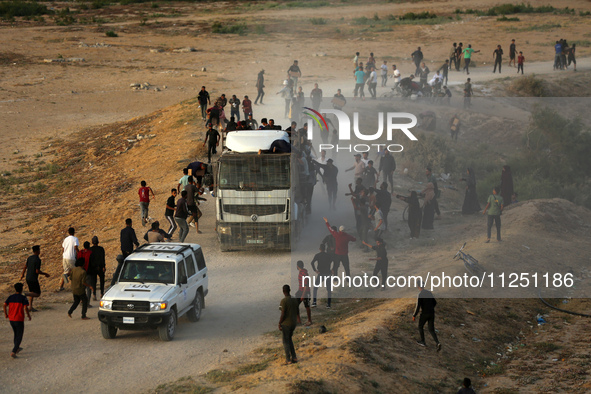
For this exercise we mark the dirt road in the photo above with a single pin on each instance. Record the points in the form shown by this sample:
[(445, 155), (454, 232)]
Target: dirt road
[(70, 355)]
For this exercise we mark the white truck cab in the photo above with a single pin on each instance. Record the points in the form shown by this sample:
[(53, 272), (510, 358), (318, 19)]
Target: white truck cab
[(158, 283)]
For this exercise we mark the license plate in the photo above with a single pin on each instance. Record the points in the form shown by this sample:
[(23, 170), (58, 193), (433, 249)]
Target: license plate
[(254, 241), (128, 320)]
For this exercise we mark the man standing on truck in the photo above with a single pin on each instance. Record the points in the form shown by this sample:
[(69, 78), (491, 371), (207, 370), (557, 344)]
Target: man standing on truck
[(342, 240)]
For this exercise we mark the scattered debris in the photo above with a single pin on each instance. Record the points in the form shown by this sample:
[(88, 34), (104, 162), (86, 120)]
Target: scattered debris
[(62, 60)]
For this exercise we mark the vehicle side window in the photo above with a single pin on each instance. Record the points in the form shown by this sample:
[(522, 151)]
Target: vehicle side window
[(181, 269), (190, 266), (200, 259)]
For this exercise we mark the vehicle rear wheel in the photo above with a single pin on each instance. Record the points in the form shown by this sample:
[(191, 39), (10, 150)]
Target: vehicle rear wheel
[(166, 331), (108, 331), (195, 313)]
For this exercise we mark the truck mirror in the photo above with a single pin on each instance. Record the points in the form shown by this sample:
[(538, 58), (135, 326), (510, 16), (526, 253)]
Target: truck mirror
[(183, 280)]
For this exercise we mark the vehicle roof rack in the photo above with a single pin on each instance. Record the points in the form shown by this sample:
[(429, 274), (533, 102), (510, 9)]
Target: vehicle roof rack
[(166, 249)]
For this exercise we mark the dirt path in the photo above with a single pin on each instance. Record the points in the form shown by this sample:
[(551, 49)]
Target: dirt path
[(58, 352)]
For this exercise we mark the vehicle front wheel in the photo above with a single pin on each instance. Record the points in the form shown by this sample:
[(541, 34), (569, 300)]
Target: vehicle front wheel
[(195, 313), (167, 330), (109, 332)]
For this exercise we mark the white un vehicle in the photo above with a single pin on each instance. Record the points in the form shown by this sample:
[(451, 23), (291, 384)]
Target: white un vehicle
[(158, 283)]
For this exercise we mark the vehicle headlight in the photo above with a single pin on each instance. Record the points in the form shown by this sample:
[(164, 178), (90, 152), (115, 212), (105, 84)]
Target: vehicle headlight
[(106, 304), (225, 230), (158, 306)]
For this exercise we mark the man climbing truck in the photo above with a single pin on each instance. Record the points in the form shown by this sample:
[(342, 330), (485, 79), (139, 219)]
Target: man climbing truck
[(253, 191)]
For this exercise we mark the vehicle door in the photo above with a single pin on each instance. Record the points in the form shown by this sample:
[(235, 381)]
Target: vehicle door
[(183, 297), (201, 269), (192, 279)]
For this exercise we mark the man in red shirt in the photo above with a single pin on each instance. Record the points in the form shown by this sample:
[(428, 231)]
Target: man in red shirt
[(247, 107), (341, 252), (144, 194), (15, 307)]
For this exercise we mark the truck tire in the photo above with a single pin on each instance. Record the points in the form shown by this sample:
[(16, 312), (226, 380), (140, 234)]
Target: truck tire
[(109, 332), (166, 331), (195, 313)]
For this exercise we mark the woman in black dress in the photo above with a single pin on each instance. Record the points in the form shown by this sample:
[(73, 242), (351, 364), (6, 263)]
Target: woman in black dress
[(415, 215), (471, 204), (428, 206)]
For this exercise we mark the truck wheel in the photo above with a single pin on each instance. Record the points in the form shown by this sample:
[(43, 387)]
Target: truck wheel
[(167, 330), (109, 332), (195, 313)]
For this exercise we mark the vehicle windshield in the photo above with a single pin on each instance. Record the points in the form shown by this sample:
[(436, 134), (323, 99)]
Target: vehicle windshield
[(255, 172), (147, 271)]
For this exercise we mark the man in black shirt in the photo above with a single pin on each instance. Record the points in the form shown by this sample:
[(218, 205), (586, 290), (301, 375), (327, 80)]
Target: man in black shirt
[(323, 272), (426, 305), (214, 140), (169, 212), (294, 74), (417, 58), (260, 86), (128, 239), (512, 53), (384, 201), (329, 177), (381, 259), (387, 168), (498, 56), (33, 270), (234, 107), (444, 69), (204, 100), (97, 262)]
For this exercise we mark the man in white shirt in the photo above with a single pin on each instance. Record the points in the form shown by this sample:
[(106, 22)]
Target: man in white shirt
[(396, 76), (359, 166), (70, 247), (384, 73), (365, 158)]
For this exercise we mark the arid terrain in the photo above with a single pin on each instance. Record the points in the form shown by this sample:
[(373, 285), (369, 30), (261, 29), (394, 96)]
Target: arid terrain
[(76, 139)]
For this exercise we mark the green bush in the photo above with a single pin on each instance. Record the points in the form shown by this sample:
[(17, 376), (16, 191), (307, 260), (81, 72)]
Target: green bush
[(505, 19), (318, 21), (529, 86), (411, 16), (218, 28), (10, 9), (111, 33)]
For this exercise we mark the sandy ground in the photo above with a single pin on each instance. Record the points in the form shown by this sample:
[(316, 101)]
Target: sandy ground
[(45, 103)]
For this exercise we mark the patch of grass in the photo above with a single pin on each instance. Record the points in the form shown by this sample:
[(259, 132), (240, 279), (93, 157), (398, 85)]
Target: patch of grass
[(183, 385), (223, 376), (423, 18), (546, 347), (239, 28), (543, 27), (494, 369), (308, 386), (260, 29), (111, 33), (505, 19), (318, 21), (38, 188), (411, 16), (528, 86)]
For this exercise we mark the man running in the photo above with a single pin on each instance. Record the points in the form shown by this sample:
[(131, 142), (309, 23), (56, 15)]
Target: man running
[(323, 272), (204, 101), (381, 259), (468, 57), (260, 85), (70, 247), (426, 305), (169, 211), (15, 307), (214, 141), (144, 192), (33, 269)]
